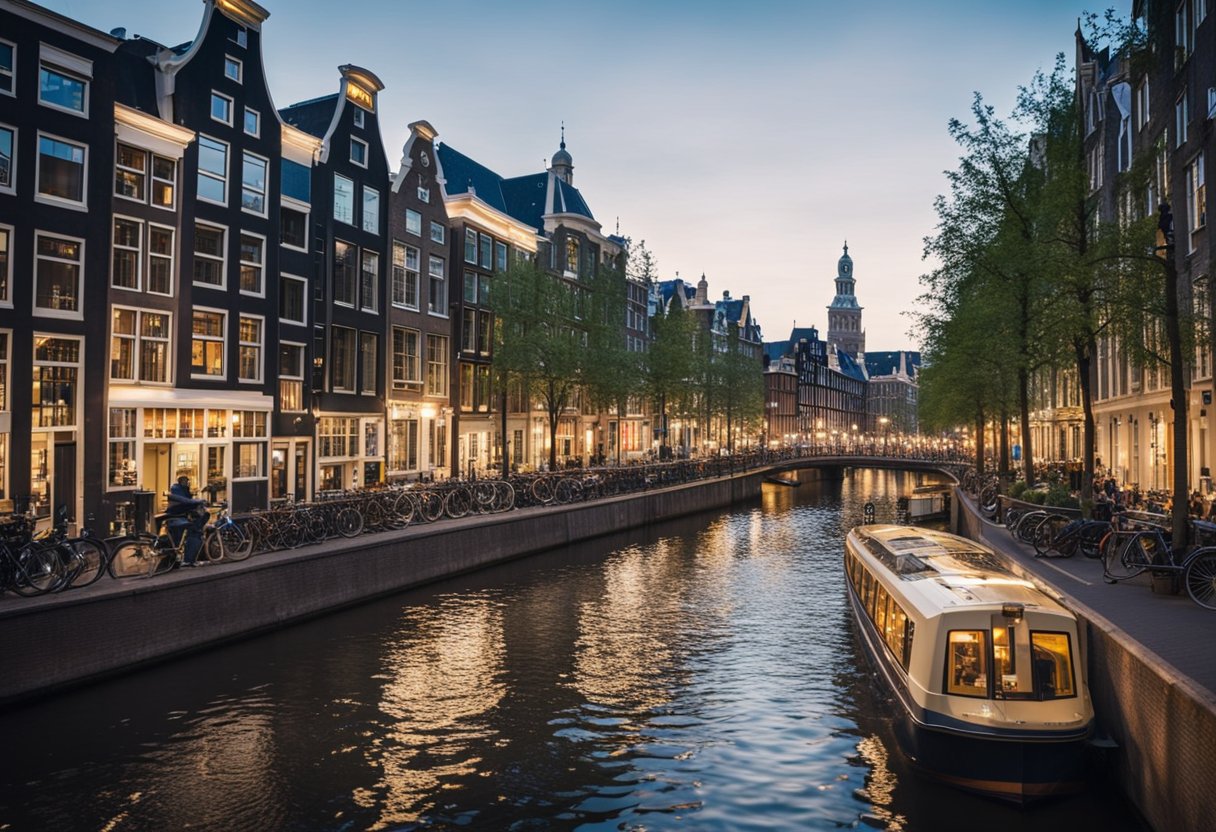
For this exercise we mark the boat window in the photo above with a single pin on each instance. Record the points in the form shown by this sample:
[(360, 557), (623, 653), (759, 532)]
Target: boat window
[(1005, 660), (1053, 676), (897, 622), (880, 611), (967, 663)]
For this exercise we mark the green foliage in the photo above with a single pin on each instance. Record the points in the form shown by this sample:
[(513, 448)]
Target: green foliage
[(1018, 489), (1058, 496)]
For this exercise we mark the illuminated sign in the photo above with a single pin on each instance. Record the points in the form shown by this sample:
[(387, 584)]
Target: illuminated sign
[(360, 96)]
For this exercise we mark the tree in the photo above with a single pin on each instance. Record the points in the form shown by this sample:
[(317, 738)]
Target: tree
[(613, 372), (669, 362)]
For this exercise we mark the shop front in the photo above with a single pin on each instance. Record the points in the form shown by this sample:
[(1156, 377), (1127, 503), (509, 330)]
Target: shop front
[(350, 452)]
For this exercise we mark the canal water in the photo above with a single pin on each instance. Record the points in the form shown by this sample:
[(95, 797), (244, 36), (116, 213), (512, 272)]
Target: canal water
[(701, 675)]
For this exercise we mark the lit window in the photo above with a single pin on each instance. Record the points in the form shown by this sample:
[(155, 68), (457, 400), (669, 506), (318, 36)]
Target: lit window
[(967, 663), (253, 184), (233, 69), (221, 108), (212, 170), (1196, 193), (55, 380), (207, 344), (130, 172), (344, 199), (139, 348), (61, 169), (253, 259), (1053, 671), (249, 365), (59, 272), (164, 181), (291, 377), (123, 472)]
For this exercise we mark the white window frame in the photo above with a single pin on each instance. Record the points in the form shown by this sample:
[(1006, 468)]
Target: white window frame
[(131, 440), (11, 188), (430, 283), (139, 252), (260, 344), (153, 179), (1195, 185), (223, 340), (303, 306), (374, 306), (442, 237), (12, 76), (410, 214), (69, 66), (351, 219), (300, 208), (46, 312), (292, 378), (230, 105), (413, 378), (62, 202), (223, 259), (145, 173), (1182, 118), (242, 37), (354, 360), (210, 175), (357, 118), (137, 338), (240, 69), (171, 257), (261, 266), (6, 300), (363, 360), (424, 194), (364, 212), (353, 142), (405, 270), (1143, 98), (257, 123), (445, 364), (265, 192)]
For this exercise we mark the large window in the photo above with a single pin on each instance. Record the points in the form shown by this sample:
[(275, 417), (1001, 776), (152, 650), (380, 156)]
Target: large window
[(253, 184), (343, 358), (62, 89), (124, 269), (358, 152), (293, 228), (212, 170), (487, 252), (207, 344), (437, 298), (368, 352), (55, 381), (249, 356), (293, 291), (369, 284), (403, 445), (1053, 670), (61, 169), (8, 64), (344, 199), (436, 365), (253, 263), (209, 251), (1196, 195), (405, 357), (413, 222), (139, 346), (344, 284), (337, 436), (967, 663), (371, 210), (470, 246), (6, 267), (8, 159), (59, 272), (130, 173), (160, 260), (438, 232), (405, 275), (221, 108), (123, 472), (291, 377)]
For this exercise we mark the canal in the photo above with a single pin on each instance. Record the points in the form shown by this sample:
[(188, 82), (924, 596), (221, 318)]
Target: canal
[(702, 674)]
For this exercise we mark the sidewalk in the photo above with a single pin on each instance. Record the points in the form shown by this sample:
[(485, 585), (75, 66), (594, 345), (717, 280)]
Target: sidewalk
[(1173, 628)]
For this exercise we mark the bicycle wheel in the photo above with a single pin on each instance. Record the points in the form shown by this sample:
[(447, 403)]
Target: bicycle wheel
[(430, 506), (93, 559), (1047, 538), (1012, 515), (236, 545), (38, 570), (1200, 578), (1024, 530), (457, 503), (1127, 558), (542, 490), (133, 558), (349, 522), (566, 491), (403, 510), (213, 547)]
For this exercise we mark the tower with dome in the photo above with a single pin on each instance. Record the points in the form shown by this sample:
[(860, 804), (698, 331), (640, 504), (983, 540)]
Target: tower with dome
[(844, 315)]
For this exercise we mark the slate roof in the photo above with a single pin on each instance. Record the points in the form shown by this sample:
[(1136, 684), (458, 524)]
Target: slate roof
[(775, 350), (523, 196), (850, 367), (887, 363), (669, 287), (134, 77), (460, 173), (568, 200), (312, 116), (798, 333)]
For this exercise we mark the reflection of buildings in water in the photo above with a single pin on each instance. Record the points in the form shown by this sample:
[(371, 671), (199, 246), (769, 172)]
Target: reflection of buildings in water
[(880, 782), (444, 673)]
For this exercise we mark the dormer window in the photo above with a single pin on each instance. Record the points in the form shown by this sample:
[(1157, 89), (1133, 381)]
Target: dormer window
[(233, 69), (242, 37), (358, 117)]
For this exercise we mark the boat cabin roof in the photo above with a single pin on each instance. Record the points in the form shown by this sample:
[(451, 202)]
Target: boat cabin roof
[(937, 569)]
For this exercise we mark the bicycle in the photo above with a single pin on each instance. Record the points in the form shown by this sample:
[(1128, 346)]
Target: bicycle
[(1143, 550), (143, 555)]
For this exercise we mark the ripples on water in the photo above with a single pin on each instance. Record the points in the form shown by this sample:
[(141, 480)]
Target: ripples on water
[(702, 675)]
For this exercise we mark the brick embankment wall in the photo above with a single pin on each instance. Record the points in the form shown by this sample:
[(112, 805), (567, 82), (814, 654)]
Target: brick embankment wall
[(55, 641), (1163, 723)]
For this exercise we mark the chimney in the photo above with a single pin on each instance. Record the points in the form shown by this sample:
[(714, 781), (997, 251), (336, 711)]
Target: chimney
[(119, 32), (726, 295)]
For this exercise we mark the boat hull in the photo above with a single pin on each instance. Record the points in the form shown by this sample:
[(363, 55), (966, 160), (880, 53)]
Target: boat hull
[(1001, 765)]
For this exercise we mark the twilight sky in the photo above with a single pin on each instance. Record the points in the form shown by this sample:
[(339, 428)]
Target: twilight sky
[(743, 140)]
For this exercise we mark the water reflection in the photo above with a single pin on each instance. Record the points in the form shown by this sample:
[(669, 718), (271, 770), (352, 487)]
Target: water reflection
[(701, 674)]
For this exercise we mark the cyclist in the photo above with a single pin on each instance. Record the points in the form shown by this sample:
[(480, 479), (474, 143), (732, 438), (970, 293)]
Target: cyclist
[(187, 516)]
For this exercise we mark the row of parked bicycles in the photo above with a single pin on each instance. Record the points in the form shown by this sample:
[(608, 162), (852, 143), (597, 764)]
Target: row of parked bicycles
[(1128, 543), (51, 561)]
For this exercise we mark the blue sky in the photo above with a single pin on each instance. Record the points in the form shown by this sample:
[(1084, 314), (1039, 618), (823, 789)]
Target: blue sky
[(743, 140)]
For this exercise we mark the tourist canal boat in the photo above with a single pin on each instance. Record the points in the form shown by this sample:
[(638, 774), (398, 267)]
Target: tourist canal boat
[(984, 667)]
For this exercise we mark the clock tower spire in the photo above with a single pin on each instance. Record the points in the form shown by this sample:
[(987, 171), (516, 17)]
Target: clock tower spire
[(844, 315)]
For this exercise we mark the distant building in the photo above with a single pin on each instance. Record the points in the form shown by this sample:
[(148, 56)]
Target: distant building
[(893, 390), (831, 386), (844, 315)]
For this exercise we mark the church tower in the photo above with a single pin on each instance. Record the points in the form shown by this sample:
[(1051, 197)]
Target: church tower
[(844, 315)]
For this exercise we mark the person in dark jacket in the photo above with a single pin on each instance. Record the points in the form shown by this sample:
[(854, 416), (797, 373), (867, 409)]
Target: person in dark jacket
[(188, 516)]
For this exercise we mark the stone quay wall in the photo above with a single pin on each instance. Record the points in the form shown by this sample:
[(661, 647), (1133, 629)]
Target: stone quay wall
[(52, 642), (1163, 724)]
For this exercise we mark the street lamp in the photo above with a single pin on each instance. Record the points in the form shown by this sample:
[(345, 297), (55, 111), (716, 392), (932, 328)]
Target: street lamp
[(885, 422)]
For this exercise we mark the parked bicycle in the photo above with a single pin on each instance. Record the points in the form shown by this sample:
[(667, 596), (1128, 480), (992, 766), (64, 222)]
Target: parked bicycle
[(1130, 553)]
